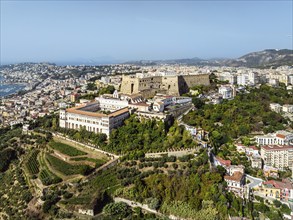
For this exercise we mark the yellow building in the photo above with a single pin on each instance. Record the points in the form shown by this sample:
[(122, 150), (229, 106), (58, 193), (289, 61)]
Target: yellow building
[(100, 84), (268, 190)]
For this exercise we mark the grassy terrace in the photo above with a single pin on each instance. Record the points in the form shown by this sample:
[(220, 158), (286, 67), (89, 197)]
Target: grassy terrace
[(98, 162), (66, 149), (48, 177), (66, 168), (104, 181), (45, 175), (32, 163)]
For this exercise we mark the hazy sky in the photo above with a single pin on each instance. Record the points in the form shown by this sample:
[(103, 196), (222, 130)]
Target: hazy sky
[(58, 31)]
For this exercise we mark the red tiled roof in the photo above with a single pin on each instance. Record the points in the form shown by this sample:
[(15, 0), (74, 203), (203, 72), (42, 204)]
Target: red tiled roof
[(140, 104), (224, 162), (237, 176), (76, 110), (279, 185), (277, 147), (280, 136), (253, 147)]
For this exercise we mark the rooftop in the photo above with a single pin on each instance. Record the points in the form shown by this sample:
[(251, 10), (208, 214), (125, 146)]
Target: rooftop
[(237, 176), (224, 162), (277, 147), (279, 185), (91, 110)]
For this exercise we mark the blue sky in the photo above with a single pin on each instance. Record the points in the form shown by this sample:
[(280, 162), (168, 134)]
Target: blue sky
[(63, 31)]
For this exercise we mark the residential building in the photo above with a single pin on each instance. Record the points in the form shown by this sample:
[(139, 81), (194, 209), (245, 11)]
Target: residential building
[(227, 92), (270, 171), (242, 79), (73, 97), (287, 108), (253, 78), (276, 107), (256, 162), (235, 183), (235, 168), (282, 191), (221, 162), (279, 156), (279, 138)]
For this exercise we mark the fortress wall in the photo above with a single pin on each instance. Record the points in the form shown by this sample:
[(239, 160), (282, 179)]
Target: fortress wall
[(193, 80), (154, 82), (148, 93), (171, 85), (129, 84)]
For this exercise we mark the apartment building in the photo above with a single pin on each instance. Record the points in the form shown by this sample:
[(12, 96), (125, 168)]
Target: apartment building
[(227, 92), (277, 190), (278, 156)]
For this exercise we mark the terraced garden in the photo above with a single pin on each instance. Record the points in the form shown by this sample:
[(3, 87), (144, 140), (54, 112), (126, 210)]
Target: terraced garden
[(50, 168), (67, 168), (48, 177), (66, 149), (32, 163), (97, 162)]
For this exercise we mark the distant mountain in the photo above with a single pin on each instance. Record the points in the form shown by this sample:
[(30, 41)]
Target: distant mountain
[(265, 58), (187, 61), (261, 59)]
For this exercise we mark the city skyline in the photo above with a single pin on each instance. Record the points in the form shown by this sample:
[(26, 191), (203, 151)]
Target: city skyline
[(118, 31)]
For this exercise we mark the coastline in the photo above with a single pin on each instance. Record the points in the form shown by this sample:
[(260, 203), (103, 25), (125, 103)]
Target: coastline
[(8, 89)]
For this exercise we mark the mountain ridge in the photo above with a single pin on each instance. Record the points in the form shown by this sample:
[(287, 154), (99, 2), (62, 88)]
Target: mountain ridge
[(269, 58)]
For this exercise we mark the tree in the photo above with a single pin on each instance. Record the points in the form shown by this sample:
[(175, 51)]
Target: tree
[(198, 103), (277, 203), (54, 123), (119, 210), (27, 196), (153, 203), (91, 86), (285, 209)]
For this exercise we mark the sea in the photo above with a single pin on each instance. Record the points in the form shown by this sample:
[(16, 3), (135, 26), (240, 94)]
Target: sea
[(8, 89)]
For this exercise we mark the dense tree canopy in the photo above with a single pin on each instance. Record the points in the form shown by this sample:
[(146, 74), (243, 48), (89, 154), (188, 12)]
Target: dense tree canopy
[(148, 135), (248, 112)]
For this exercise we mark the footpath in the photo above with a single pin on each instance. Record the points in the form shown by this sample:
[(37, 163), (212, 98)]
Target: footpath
[(144, 207)]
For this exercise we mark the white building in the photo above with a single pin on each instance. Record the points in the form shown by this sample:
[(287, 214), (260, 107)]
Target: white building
[(227, 92), (253, 78), (235, 183), (111, 102), (287, 108), (88, 116), (290, 79), (278, 156), (276, 107), (256, 162), (274, 82), (227, 76), (277, 138), (242, 80), (162, 101), (235, 168)]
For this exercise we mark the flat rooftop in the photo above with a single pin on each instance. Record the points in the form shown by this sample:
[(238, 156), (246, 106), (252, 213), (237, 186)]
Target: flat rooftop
[(93, 111), (277, 147)]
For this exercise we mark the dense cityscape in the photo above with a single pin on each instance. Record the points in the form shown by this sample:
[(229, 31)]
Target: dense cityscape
[(70, 121), (146, 110)]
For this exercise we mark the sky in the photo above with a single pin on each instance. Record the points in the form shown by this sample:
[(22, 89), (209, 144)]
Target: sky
[(115, 31)]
